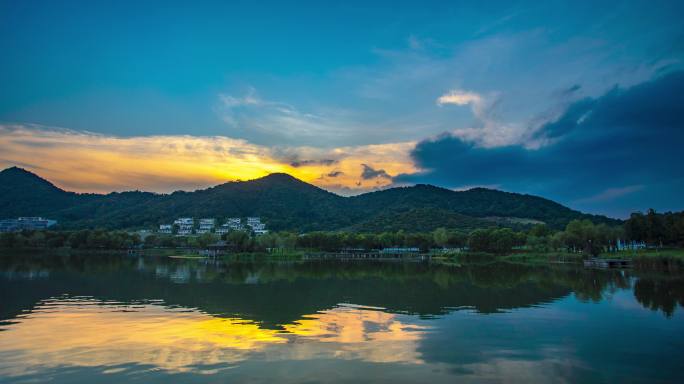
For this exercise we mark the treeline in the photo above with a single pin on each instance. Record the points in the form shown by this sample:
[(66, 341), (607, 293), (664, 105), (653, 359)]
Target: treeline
[(240, 241), (656, 228), (578, 236), (84, 239)]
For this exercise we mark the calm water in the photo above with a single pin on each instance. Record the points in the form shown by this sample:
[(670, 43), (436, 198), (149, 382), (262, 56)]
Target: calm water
[(95, 319)]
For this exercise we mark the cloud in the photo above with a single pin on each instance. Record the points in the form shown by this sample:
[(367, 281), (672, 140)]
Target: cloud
[(88, 162), (458, 97), (275, 123), (371, 173), (488, 130), (606, 154), (612, 193), (271, 122), (248, 99), (305, 163), (335, 174), (513, 81)]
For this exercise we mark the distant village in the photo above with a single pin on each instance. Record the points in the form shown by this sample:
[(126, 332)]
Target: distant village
[(25, 224), (189, 226), (185, 226)]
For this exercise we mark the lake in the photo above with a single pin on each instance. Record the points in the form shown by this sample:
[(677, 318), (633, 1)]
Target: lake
[(106, 319)]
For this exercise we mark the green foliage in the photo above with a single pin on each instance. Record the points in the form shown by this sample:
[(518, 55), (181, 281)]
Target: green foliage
[(284, 203), (578, 236), (499, 241), (655, 228), (419, 220), (101, 239), (241, 241), (83, 239)]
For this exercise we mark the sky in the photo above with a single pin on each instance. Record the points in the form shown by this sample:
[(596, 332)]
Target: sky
[(580, 102)]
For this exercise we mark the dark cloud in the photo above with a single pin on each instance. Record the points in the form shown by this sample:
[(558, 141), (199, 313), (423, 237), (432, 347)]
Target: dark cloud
[(335, 174), (571, 90), (304, 163), (371, 173), (34, 144), (624, 138)]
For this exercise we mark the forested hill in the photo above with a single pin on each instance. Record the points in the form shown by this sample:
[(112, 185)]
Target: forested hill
[(284, 203)]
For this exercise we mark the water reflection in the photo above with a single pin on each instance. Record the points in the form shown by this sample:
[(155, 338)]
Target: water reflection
[(663, 294), (272, 293), (91, 333), (78, 318)]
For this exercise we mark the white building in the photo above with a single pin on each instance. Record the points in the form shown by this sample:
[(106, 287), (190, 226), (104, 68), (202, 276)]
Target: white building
[(235, 223), (36, 223), (223, 229), (166, 229), (28, 223), (232, 224), (206, 225), (256, 225), (185, 225)]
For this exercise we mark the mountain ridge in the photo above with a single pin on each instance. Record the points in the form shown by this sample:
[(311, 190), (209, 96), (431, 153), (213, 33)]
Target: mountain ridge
[(283, 201)]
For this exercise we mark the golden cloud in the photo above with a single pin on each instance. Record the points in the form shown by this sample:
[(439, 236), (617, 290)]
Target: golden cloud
[(88, 162)]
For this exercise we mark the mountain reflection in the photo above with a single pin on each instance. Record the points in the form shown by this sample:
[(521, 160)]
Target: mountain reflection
[(76, 318), (275, 294)]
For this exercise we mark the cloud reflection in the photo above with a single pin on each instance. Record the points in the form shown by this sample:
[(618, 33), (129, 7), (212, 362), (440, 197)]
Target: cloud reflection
[(73, 332)]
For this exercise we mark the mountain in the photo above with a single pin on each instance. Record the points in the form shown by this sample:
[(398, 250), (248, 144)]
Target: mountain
[(23, 193), (284, 203)]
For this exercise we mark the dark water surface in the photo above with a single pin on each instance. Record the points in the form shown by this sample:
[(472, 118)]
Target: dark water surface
[(113, 319)]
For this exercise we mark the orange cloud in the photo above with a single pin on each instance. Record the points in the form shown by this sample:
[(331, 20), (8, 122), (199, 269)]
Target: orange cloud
[(89, 162)]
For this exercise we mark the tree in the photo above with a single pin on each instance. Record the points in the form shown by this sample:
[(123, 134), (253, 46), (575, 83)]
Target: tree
[(501, 240), (240, 240), (539, 230), (479, 240), (205, 239), (441, 237)]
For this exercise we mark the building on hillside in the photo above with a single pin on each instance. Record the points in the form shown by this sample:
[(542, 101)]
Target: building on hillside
[(9, 225), (206, 226), (185, 226), (36, 223), (259, 229), (165, 229), (184, 221), (256, 225), (235, 223), (26, 223), (223, 229)]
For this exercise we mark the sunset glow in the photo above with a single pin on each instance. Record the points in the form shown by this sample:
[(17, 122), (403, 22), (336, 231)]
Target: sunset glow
[(87, 162)]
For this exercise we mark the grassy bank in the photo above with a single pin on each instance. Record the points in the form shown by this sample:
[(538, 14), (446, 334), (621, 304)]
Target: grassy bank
[(670, 255), (666, 253)]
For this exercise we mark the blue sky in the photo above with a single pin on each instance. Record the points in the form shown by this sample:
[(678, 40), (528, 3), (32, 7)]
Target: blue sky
[(353, 89)]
